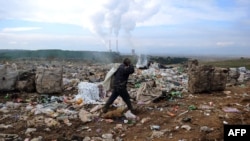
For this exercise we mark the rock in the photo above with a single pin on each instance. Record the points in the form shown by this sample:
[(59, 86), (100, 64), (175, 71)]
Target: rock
[(107, 136), (85, 116)]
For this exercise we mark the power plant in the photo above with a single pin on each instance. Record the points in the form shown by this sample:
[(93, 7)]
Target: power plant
[(117, 50)]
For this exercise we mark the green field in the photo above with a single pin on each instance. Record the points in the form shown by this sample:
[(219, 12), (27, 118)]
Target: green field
[(230, 63)]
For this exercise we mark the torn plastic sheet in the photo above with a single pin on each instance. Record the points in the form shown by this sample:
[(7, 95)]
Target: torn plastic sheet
[(231, 110)]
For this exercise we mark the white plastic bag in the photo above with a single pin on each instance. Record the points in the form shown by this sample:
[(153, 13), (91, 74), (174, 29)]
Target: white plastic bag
[(129, 115)]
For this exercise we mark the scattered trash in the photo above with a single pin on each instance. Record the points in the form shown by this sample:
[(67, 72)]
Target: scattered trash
[(205, 107), (187, 127), (176, 94), (183, 113), (170, 114), (109, 120), (192, 107), (206, 129), (230, 110), (89, 93), (225, 122), (157, 134), (115, 113), (85, 116), (30, 130), (6, 96), (3, 126), (82, 128), (144, 120), (152, 85), (40, 138), (8, 136), (129, 115), (107, 136), (155, 127), (227, 92), (186, 119)]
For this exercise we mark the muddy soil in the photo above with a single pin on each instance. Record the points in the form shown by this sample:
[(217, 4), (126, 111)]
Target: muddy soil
[(174, 118)]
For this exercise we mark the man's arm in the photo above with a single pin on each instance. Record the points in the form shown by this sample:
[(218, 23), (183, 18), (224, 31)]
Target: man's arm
[(129, 69)]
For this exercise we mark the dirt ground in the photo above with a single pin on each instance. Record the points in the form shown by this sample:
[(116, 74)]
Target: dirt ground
[(192, 110)]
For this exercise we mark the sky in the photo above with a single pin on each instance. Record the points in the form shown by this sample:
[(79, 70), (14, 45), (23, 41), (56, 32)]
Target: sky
[(181, 27)]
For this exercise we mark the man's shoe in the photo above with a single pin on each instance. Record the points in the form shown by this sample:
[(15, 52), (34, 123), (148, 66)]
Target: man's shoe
[(104, 110)]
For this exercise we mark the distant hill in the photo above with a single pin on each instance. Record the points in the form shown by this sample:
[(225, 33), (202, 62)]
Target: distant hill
[(59, 54), (90, 56)]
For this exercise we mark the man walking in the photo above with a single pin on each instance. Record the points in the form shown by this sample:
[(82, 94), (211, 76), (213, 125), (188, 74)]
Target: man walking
[(120, 85)]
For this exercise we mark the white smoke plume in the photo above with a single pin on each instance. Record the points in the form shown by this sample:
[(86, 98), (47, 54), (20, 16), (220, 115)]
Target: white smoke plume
[(116, 15)]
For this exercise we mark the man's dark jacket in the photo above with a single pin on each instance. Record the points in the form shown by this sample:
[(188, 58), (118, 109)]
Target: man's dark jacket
[(122, 74)]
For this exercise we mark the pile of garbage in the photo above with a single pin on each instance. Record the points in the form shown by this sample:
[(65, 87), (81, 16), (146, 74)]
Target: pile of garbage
[(91, 85)]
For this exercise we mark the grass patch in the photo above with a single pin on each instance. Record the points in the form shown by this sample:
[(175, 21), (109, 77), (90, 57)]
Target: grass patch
[(230, 63)]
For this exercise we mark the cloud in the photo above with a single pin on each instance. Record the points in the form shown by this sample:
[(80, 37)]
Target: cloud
[(12, 42), (45, 41), (223, 44), (183, 23), (19, 29), (117, 12)]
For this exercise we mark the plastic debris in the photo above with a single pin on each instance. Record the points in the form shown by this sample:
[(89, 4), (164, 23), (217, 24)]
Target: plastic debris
[(89, 93), (85, 116), (187, 127), (157, 134), (192, 107), (144, 120), (206, 129), (129, 115), (155, 127), (230, 110)]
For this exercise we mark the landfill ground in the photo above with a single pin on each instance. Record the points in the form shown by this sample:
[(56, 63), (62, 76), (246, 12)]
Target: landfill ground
[(192, 117)]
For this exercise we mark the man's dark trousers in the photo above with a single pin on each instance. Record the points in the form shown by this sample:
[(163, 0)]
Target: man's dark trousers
[(119, 91)]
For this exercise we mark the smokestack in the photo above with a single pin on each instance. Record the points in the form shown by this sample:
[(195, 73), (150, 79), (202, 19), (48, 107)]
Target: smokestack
[(133, 51), (109, 45), (117, 45)]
